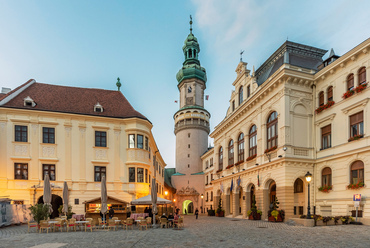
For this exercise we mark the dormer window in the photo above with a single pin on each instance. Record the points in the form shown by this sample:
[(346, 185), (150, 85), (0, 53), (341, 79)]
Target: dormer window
[(98, 108), (28, 102)]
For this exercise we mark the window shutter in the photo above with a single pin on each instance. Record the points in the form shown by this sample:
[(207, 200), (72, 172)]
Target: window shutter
[(362, 75), (321, 98), (326, 171), (350, 82), (326, 129), (330, 93), (358, 165)]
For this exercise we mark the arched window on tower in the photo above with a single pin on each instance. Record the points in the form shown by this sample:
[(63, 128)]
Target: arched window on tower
[(194, 53), (272, 130), (240, 95), (190, 53), (220, 159), (241, 148), (231, 152)]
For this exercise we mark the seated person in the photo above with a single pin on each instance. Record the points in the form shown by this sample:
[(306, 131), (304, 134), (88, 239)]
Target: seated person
[(164, 216), (170, 216)]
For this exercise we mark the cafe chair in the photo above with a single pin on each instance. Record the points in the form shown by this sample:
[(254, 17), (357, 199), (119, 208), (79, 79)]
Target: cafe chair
[(129, 223), (111, 224), (90, 224), (164, 223), (71, 224), (44, 224), (32, 224)]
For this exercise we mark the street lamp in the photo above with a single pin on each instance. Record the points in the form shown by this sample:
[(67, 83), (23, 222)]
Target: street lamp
[(166, 193), (308, 180), (201, 196)]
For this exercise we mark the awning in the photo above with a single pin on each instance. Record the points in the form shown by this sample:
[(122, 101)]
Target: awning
[(147, 200)]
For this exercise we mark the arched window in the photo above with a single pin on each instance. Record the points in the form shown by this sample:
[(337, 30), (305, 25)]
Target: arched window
[(231, 152), (357, 172), (194, 53), (298, 186), (253, 141), (362, 76), (220, 159), (211, 195), (350, 82), (240, 95), (326, 177), (207, 197), (330, 93), (241, 148), (272, 130), (321, 98), (190, 53)]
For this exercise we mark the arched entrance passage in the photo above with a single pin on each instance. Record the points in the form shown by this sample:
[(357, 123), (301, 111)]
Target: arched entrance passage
[(56, 202), (272, 192), (187, 207)]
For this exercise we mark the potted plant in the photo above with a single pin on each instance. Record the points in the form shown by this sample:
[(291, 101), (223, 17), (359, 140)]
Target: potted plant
[(220, 212), (358, 185), (254, 213), (69, 214), (275, 215), (39, 212), (346, 219), (211, 212)]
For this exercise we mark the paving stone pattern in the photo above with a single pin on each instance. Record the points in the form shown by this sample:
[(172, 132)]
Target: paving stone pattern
[(204, 232)]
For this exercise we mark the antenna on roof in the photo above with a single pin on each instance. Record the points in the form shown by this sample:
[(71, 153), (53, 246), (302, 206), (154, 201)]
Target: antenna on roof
[(118, 83), (241, 55)]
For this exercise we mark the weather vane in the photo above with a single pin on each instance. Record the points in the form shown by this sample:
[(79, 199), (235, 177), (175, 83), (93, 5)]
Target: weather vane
[(241, 55), (191, 22)]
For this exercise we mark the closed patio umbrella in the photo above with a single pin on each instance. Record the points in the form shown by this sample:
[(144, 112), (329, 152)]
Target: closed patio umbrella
[(104, 197), (65, 198), (154, 199), (47, 193)]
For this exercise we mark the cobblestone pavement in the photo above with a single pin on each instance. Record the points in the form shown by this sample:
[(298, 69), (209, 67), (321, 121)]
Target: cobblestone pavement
[(204, 232)]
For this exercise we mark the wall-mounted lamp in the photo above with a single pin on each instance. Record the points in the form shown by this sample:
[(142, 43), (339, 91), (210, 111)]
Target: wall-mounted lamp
[(280, 156), (222, 176), (233, 172), (256, 164), (243, 169), (285, 148)]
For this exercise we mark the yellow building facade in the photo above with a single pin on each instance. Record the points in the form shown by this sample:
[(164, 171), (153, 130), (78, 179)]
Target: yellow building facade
[(290, 116), (75, 135)]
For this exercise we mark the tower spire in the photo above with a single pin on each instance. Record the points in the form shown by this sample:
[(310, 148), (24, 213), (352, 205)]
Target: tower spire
[(191, 23), (118, 83)]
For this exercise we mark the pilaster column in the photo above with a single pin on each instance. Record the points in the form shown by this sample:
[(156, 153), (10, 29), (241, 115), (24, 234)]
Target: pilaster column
[(226, 203), (82, 152), (34, 151), (3, 152), (285, 195), (117, 164), (68, 151)]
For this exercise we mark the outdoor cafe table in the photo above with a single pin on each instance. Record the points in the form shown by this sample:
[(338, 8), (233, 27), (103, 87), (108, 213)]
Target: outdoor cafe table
[(52, 222), (78, 217), (137, 215), (80, 222)]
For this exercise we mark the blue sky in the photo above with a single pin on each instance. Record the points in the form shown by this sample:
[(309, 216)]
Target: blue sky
[(91, 43)]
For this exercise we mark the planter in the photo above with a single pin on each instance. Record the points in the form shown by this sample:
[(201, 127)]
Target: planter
[(255, 217), (354, 213), (272, 219), (220, 214)]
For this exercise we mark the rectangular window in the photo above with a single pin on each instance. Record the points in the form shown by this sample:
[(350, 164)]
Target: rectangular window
[(146, 175), (131, 174), (233, 106), (99, 172), (21, 171), (100, 139), (131, 141), (326, 137), (248, 91), (159, 170), (48, 135), (140, 141), (157, 187), (211, 162), (146, 143), (150, 152), (150, 182), (48, 169), (357, 124), (21, 133), (140, 175)]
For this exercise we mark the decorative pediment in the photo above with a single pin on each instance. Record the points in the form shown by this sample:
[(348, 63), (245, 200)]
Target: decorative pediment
[(187, 191)]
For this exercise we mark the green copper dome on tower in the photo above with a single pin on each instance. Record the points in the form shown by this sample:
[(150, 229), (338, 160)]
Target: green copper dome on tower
[(191, 67)]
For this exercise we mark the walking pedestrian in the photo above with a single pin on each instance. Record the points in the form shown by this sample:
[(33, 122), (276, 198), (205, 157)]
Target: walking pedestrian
[(196, 213)]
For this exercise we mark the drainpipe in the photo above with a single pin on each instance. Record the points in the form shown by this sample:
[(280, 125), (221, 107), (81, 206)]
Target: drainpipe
[(314, 147)]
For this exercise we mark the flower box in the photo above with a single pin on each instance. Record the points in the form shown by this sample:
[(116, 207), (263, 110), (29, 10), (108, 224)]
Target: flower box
[(218, 170), (356, 186), (271, 149), (355, 137), (279, 219), (325, 106), (229, 166), (361, 87), (252, 157), (326, 188), (348, 93)]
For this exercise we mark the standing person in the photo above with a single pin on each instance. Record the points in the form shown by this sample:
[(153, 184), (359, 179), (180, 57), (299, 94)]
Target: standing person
[(111, 213), (196, 213), (185, 211)]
